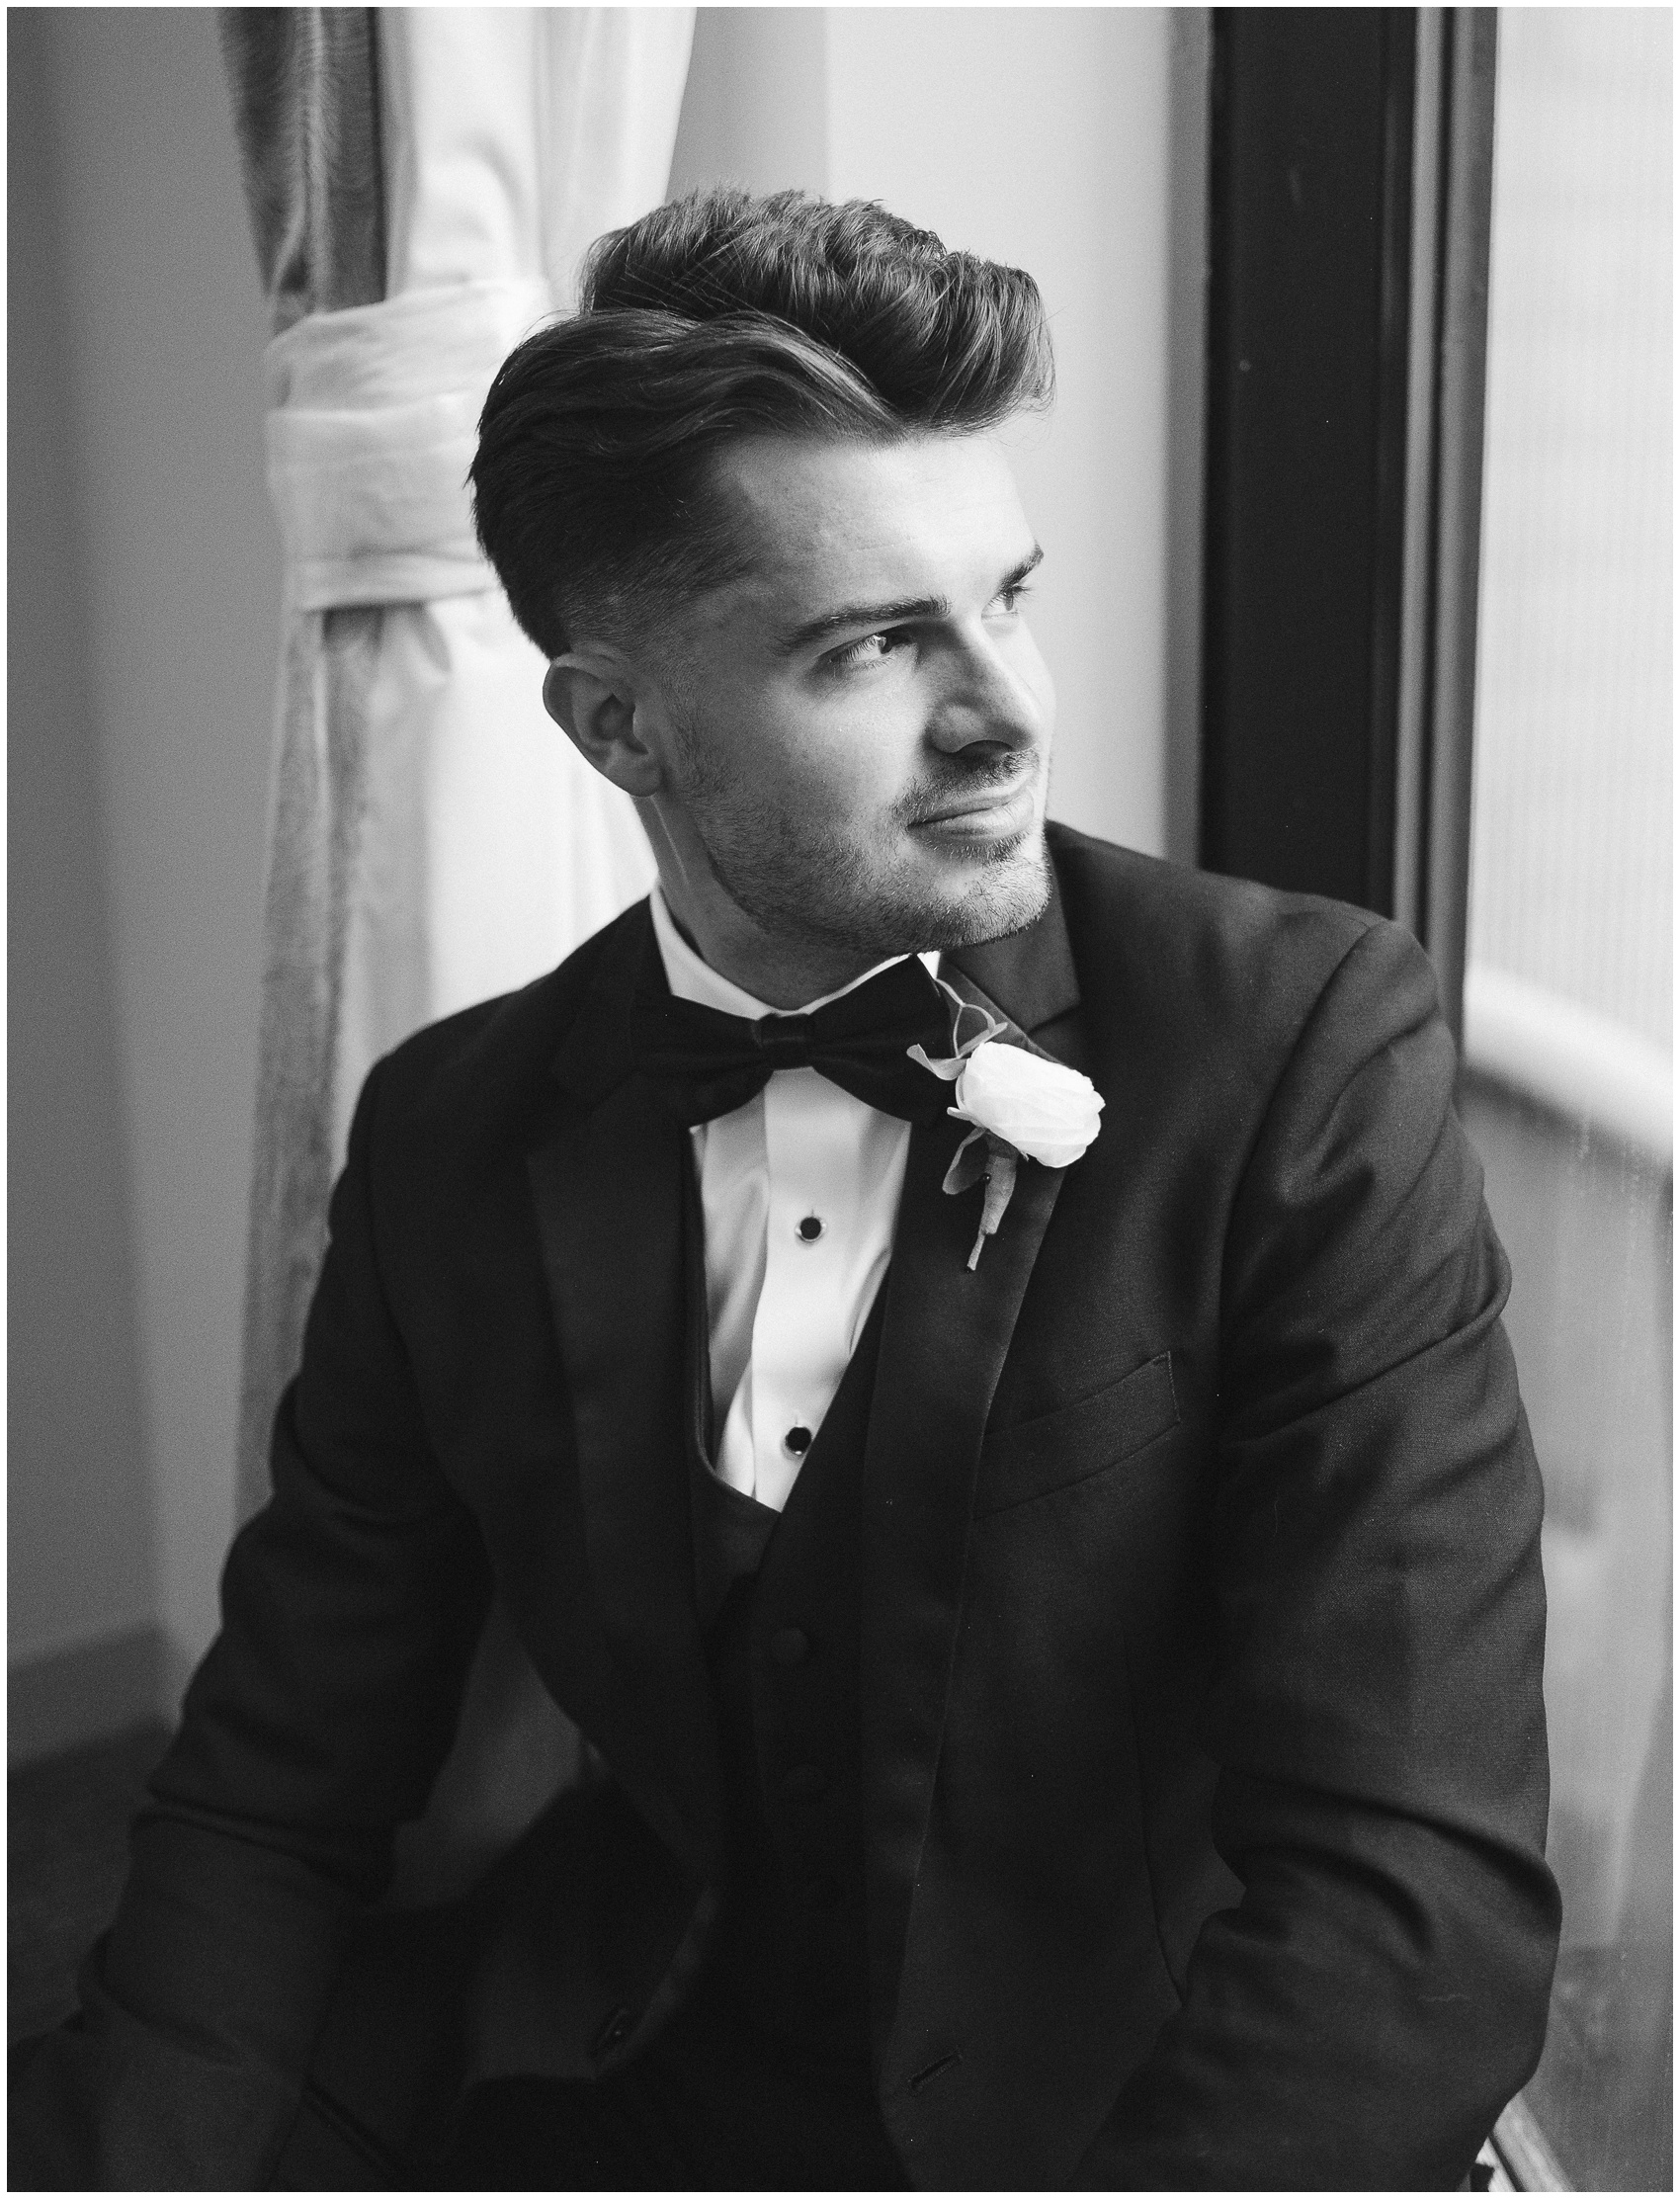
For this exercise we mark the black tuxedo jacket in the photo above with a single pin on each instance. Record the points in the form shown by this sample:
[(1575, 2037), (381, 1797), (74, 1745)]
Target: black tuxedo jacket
[(1203, 1749)]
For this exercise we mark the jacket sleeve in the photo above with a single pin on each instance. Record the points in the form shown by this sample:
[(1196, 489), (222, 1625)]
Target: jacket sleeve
[(1359, 2018), (314, 1726)]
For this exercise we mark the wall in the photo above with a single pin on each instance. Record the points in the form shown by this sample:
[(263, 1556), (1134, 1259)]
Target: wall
[(171, 583), (755, 108), (1068, 142), (74, 1434), (1037, 136)]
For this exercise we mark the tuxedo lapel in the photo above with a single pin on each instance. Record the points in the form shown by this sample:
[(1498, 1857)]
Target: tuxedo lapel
[(947, 1329), (1029, 978), (946, 1335), (609, 1188)]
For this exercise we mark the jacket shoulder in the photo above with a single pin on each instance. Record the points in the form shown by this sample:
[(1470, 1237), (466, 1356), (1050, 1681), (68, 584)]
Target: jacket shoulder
[(1176, 946), (1213, 985), (486, 1068), (1182, 913)]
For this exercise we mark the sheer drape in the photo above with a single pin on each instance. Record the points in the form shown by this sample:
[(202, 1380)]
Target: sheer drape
[(423, 184)]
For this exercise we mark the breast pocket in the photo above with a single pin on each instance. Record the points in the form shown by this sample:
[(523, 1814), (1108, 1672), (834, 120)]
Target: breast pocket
[(1061, 1449)]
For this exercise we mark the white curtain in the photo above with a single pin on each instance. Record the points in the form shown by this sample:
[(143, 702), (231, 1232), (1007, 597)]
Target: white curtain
[(436, 839)]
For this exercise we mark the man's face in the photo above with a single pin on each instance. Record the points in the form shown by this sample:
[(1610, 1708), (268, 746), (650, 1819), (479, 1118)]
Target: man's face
[(862, 725)]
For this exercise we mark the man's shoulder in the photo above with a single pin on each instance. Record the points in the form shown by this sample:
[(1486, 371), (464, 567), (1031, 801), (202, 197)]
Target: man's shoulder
[(1193, 967), (489, 1068), (1154, 922)]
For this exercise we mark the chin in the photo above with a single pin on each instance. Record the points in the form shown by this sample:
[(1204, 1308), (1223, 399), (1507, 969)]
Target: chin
[(988, 895), (1004, 895), (856, 900)]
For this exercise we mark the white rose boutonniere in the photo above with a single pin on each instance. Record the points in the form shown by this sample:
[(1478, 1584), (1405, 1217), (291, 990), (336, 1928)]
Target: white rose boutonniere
[(1023, 1106)]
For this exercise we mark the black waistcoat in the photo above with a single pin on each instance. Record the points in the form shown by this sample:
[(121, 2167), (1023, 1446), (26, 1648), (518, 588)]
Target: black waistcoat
[(779, 1602)]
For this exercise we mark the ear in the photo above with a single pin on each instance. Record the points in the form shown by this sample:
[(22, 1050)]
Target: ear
[(590, 693)]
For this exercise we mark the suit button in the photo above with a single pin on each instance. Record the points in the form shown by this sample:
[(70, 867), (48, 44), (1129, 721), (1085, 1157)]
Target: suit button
[(613, 2031), (805, 1783), (790, 1646)]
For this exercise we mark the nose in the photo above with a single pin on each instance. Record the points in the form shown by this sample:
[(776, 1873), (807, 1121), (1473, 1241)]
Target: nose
[(986, 698)]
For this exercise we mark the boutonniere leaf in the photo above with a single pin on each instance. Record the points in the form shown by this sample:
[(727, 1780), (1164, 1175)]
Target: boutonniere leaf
[(1023, 1105)]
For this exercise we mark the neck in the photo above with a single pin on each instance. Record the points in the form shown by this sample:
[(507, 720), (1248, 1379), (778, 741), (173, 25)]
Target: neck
[(782, 974), (782, 971)]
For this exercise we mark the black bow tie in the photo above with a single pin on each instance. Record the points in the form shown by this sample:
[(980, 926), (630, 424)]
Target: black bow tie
[(706, 1063)]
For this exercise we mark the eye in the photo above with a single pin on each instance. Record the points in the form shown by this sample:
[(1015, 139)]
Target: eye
[(868, 648), (1010, 599)]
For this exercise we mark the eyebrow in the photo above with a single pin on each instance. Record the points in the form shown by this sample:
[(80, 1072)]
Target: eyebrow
[(899, 612)]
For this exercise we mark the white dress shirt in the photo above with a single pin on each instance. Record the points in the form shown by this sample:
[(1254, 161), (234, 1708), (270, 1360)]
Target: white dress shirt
[(799, 1191)]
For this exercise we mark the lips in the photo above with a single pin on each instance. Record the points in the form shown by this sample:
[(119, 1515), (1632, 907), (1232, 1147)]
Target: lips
[(991, 815)]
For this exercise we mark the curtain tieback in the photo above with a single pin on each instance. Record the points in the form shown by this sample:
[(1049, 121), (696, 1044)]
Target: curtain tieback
[(373, 423)]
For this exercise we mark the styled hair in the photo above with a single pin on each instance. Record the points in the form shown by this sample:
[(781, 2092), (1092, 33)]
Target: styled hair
[(715, 318)]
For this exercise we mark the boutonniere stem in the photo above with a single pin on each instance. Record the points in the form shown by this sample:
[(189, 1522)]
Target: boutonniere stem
[(984, 1157), (1023, 1105)]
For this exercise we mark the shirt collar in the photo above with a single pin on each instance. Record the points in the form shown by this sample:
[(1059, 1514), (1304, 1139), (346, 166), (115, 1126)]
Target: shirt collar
[(691, 978)]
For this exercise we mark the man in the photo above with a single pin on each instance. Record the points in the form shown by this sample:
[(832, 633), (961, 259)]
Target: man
[(1052, 1590)]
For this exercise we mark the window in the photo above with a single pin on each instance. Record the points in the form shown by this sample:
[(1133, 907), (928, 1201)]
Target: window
[(1567, 1001)]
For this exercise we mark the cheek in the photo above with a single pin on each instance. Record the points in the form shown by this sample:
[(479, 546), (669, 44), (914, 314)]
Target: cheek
[(837, 763), (1034, 674)]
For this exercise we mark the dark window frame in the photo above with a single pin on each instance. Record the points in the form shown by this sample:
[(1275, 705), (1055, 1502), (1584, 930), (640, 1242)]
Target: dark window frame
[(1350, 166)]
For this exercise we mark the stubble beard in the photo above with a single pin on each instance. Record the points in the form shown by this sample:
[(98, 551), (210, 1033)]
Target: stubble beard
[(797, 878)]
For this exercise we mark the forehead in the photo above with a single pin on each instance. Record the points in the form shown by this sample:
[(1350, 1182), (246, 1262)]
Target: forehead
[(827, 521)]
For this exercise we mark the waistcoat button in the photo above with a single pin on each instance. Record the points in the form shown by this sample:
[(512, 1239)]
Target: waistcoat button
[(797, 1442), (613, 2032), (790, 1646), (805, 1783)]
